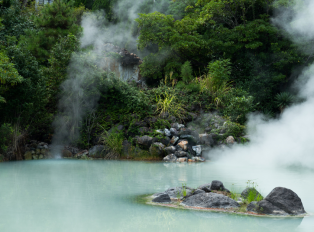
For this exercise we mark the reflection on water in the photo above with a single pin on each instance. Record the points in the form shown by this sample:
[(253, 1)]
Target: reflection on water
[(94, 196)]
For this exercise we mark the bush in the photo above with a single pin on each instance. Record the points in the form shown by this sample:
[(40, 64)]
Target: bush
[(6, 133), (113, 140), (186, 72)]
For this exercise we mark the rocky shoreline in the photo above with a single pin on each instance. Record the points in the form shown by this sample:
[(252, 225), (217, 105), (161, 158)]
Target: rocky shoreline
[(176, 143), (215, 197)]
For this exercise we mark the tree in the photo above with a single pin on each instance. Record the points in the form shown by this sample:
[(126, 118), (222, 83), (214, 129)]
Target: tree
[(54, 20)]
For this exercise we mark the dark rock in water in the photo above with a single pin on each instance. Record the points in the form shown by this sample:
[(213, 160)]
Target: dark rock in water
[(252, 207), (246, 192), (174, 193), (195, 191), (181, 154), (190, 138), (170, 158), (286, 200), (205, 187), (162, 198), (145, 141), (217, 185), (265, 207), (170, 150), (210, 200)]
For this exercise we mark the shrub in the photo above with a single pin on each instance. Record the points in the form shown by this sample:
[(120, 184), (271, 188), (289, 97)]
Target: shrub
[(168, 103), (186, 72), (6, 133), (283, 100), (113, 140)]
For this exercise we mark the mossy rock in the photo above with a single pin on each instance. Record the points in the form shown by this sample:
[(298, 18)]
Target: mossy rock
[(28, 155)]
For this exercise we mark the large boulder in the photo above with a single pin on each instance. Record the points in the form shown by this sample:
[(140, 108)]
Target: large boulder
[(145, 141), (286, 200), (174, 140), (181, 154), (97, 151), (265, 207), (210, 200), (162, 198), (157, 149), (198, 150), (206, 139), (183, 144), (170, 150)]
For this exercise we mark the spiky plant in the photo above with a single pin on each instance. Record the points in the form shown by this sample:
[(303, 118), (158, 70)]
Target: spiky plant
[(283, 100)]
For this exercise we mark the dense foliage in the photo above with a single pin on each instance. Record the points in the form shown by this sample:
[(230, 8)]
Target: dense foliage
[(198, 56)]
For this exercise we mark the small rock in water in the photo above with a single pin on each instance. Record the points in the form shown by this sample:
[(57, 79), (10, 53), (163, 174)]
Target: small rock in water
[(162, 198), (170, 158), (217, 185), (199, 159), (197, 149), (252, 207), (181, 159)]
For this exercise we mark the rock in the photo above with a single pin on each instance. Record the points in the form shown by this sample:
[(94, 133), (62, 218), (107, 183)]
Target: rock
[(177, 126), (183, 144), (190, 138), (210, 200), (185, 131), (217, 185), (199, 159), (160, 132), (174, 140), (167, 132), (208, 130), (140, 124), (205, 187), (286, 200), (230, 140), (172, 119), (38, 151), (181, 154), (170, 150), (120, 127), (246, 191), (265, 207), (157, 149), (41, 156), (97, 151), (164, 115), (178, 192), (191, 160), (170, 158), (164, 141), (151, 120), (206, 139), (143, 130), (145, 141), (28, 155), (162, 198), (66, 153), (182, 159), (174, 131), (81, 155), (252, 207), (35, 157), (194, 192), (198, 150)]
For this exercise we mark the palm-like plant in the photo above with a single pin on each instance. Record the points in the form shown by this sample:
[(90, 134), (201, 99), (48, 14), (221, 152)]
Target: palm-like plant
[(283, 100)]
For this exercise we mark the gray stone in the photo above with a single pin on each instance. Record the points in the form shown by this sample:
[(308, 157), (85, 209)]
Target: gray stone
[(174, 131), (252, 207), (199, 159), (175, 125), (174, 140), (217, 185), (170, 150), (160, 131), (41, 156), (143, 130), (265, 207), (140, 124), (162, 198), (170, 158), (192, 140), (97, 151), (167, 132), (230, 140), (157, 149), (185, 131), (286, 200), (174, 193), (205, 187), (210, 200), (197, 149), (181, 154), (145, 141)]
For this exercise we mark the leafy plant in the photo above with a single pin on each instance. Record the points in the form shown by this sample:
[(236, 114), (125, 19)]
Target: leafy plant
[(283, 100), (252, 194), (113, 140), (184, 190), (168, 103), (186, 72)]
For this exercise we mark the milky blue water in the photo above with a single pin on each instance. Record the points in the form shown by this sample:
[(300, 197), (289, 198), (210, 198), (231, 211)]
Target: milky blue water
[(101, 196)]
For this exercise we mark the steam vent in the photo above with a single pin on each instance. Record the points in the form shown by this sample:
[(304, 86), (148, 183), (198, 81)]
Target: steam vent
[(123, 63)]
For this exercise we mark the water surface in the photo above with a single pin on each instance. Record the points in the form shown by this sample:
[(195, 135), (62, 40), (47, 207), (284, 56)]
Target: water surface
[(98, 196)]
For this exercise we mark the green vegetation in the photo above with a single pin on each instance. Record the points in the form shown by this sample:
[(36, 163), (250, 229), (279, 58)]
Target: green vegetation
[(198, 56)]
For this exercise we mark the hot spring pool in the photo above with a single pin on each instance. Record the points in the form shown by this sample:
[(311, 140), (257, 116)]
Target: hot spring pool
[(101, 196)]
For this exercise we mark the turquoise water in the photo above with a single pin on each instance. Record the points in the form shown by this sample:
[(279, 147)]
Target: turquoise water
[(98, 196)]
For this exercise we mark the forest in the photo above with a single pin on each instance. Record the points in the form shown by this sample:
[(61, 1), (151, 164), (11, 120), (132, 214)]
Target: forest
[(198, 56)]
